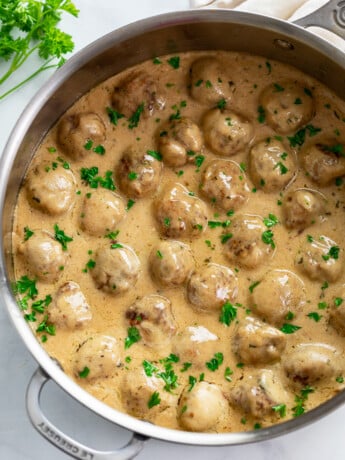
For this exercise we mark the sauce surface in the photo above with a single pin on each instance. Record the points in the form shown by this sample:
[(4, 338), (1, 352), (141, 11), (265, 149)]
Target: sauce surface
[(192, 273)]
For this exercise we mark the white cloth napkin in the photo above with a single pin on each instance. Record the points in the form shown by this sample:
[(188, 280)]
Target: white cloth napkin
[(284, 9)]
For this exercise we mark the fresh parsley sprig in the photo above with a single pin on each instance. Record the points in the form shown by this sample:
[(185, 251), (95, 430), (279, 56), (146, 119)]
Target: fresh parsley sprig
[(30, 27)]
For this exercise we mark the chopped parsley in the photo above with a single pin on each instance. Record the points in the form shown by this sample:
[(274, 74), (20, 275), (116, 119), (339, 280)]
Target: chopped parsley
[(280, 409), (186, 366), (149, 368), (84, 373), (271, 220), (90, 176), (116, 246), (300, 399), (44, 326), (298, 138), (288, 328), (261, 114), (174, 62), (282, 167), (253, 286), (132, 175), (61, 237), (338, 301), (112, 235), (154, 400), (114, 116), (199, 159), (315, 316), (215, 362), (225, 237), (135, 118), (130, 204), (27, 233), (278, 88), (133, 336), (228, 313), (228, 373), (267, 238), (221, 104), (155, 154), (192, 381), (333, 253)]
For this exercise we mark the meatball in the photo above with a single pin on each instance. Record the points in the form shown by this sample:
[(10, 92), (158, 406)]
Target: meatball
[(69, 309), (179, 141), (320, 259), (211, 286), (301, 208), (116, 268), (271, 166), (226, 132), (337, 314), (102, 211), (323, 162), (97, 357), (286, 293), (208, 82), (195, 344), (137, 390), (287, 105), (51, 188), (310, 363), (257, 343), (138, 172), (152, 315), (224, 184), (171, 263), (180, 214), (202, 407), (44, 255), (248, 246), (76, 131), (138, 90), (258, 393)]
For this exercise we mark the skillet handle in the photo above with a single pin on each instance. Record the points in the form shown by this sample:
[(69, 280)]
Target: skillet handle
[(330, 16), (64, 442)]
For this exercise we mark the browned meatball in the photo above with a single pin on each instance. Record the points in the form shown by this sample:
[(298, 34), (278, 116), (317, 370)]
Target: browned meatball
[(324, 162), (116, 268), (286, 293), (138, 172), (309, 363), (152, 315), (257, 343), (288, 105), (171, 263), (202, 407), (137, 89), (208, 82), (224, 184), (69, 309), (211, 286), (180, 214), (259, 392), (227, 132), (195, 344), (248, 246), (44, 256), (51, 188), (102, 211), (77, 130), (302, 208), (179, 141), (271, 165), (97, 357), (320, 259), (136, 391)]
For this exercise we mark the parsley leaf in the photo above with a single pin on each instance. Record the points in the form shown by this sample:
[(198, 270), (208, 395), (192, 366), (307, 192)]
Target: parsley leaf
[(135, 118), (61, 237), (133, 336), (215, 362), (154, 400), (288, 328), (228, 313)]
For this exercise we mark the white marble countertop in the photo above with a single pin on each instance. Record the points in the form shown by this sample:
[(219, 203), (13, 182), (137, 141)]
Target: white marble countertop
[(18, 440)]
